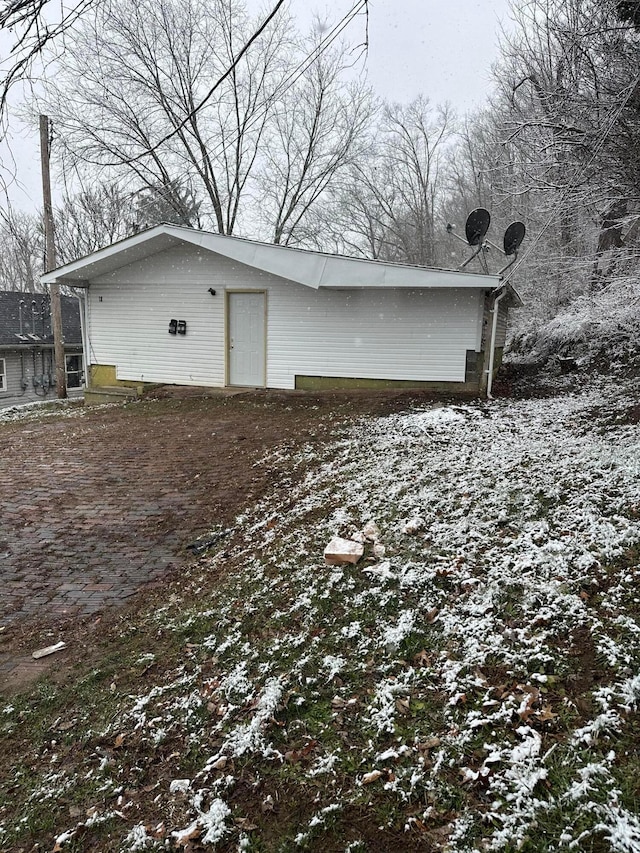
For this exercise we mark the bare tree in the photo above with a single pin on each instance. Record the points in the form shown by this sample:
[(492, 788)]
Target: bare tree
[(90, 220), (21, 259), (388, 208), (569, 78), (318, 129), (134, 74), (34, 26)]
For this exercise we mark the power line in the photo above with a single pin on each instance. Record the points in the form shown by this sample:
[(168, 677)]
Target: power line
[(287, 83), (306, 63), (290, 80), (215, 86)]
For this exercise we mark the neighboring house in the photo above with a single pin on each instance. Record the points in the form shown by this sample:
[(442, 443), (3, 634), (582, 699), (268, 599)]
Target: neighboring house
[(27, 364), (177, 305)]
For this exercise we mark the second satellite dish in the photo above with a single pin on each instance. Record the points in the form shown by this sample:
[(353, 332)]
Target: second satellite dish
[(513, 237), (477, 226)]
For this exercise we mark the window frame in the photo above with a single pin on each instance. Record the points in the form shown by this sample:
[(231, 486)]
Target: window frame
[(79, 372)]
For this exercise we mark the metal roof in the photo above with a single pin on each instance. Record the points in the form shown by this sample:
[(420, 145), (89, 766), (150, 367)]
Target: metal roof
[(310, 268)]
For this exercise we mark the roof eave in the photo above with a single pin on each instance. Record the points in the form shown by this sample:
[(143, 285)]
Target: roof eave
[(311, 269)]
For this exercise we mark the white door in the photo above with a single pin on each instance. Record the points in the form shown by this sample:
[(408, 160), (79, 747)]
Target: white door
[(246, 339)]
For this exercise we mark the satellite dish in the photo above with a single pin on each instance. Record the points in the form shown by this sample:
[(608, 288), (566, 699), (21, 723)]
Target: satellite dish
[(477, 226), (513, 236)]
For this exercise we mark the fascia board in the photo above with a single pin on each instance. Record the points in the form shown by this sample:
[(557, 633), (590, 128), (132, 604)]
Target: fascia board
[(332, 271), (103, 261)]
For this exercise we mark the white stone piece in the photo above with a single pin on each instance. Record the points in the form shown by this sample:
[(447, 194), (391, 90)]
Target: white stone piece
[(49, 650), (371, 531), (342, 551), (415, 525)]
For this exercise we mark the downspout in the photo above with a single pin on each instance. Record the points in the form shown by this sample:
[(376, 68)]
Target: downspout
[(492, 351)]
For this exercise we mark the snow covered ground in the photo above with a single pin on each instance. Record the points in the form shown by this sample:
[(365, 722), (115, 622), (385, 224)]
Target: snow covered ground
[(474, 681)]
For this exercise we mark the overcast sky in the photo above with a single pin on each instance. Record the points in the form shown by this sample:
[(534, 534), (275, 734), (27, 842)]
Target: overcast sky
[(442, 50)]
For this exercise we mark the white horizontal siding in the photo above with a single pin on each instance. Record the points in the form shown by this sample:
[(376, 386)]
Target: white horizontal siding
[(383, 334), (420, 335), (130, 312)]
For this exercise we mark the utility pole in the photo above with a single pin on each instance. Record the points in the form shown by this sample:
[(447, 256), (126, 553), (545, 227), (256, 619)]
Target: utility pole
[(50, 261)]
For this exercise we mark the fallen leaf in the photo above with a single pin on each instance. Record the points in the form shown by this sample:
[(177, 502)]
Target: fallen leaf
[(184, 839), (546, 714), (119, 741), (429, 743), (402, 706), (422, 658), (245, 824), (468, 775), (526, 706), (298, 754), (158, 831)]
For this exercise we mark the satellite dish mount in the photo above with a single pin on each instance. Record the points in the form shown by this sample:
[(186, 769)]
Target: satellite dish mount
[(476, 228)]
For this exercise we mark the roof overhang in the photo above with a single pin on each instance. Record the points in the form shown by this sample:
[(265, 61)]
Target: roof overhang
[(511, 296), (312, 269)]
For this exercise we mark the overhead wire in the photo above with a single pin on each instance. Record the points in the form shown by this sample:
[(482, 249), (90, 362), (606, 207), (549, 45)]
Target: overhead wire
[(286, 84), (209, 94), (319, 49), (298, 71)]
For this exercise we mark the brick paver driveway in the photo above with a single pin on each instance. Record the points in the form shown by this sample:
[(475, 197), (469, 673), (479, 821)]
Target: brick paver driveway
[(98, 504)]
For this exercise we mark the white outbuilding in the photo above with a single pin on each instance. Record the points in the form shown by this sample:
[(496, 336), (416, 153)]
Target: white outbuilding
[(188, 307)]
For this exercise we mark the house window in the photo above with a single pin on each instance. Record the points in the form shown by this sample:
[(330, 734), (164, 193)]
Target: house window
[(3, 374), (75, 369)]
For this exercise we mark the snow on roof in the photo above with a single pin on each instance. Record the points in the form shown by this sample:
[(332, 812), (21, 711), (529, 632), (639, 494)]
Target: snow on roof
[(310, 268)]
